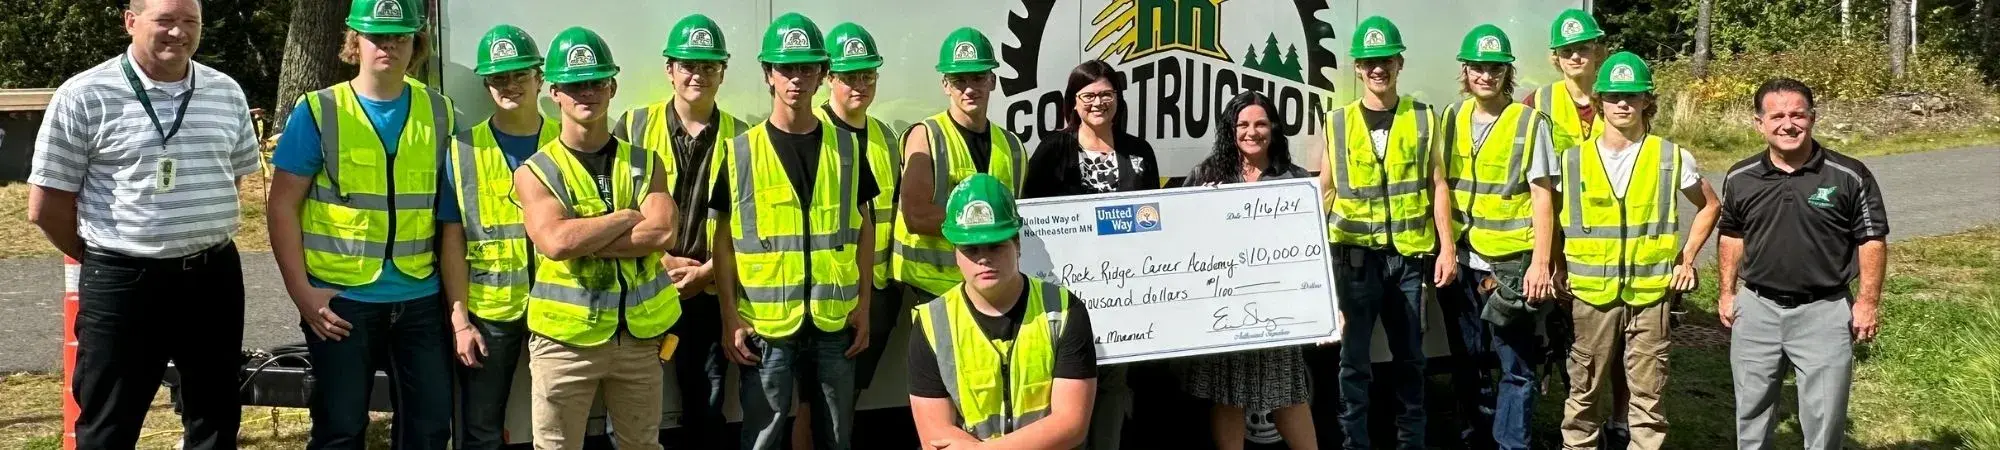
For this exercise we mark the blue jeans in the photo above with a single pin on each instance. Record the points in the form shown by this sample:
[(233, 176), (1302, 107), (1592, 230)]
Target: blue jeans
[(1498, 408), (1381, 284), (483, 391), (409, 339), (766, 391)]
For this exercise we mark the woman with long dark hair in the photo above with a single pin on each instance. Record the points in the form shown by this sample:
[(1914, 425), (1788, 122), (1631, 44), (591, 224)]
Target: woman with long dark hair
[(1092, 154), (1250, 147)]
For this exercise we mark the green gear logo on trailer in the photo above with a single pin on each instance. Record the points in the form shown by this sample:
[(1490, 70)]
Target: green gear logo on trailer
[(1175, 58)]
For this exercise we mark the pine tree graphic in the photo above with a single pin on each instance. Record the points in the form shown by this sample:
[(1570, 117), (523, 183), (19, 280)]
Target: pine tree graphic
[(1250, 59), (1290, 69), (1286, 66), (1272, 61)]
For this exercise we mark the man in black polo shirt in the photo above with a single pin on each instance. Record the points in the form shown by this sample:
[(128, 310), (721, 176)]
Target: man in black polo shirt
[(1795, 217)]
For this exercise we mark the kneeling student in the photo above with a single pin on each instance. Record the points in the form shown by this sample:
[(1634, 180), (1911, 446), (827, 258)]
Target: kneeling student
[(985, 370)]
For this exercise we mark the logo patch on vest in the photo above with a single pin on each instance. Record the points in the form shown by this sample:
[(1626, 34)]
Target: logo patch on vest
[(1622, 74), (964, 52), (978, 213), (1572, 28), (1123, 219), (1489, 44), (1375, 38), (502, 49), (853, 47), (580, 56), (795, 39), (700, 38), (1823, 198), (388, 10)]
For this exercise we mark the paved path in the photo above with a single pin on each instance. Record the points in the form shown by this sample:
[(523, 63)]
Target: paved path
[(1928, 194)]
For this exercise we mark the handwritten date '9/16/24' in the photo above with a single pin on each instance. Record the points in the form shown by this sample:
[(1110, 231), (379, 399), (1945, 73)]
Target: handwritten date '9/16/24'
[(1267, 208)]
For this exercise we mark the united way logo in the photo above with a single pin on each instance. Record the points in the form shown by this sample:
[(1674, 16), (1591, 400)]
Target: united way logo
[(1123, 219), (389, 10), (581, 55)]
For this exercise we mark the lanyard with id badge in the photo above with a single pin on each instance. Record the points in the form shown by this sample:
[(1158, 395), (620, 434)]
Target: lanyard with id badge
[(163, 171)]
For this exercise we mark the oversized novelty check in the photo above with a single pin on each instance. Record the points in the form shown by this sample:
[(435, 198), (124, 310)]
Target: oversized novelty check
[(1189, 271)]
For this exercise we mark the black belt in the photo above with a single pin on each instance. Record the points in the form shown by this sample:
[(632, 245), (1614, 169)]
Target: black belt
[(183, 263), (1793, 299)]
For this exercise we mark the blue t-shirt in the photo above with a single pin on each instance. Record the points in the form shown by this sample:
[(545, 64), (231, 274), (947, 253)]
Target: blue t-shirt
[(514, 148), (298, 153)]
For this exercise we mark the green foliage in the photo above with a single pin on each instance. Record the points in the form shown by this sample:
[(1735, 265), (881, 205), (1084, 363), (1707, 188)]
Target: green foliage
[(1853, 71), (44, 42), (1664, 29)]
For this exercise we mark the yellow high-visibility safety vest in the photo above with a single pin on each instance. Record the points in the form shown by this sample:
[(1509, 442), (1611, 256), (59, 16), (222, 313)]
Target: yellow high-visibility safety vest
[(497, 251), (1555, 101), (885, 161), (784, 271), (991, 404), (1491, 207), (1621, 249), (928, 262), (1382, 201), (365, 205), (581, 302)]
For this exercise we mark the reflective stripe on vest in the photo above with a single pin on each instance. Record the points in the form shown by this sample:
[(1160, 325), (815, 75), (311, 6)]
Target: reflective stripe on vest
[(1491, 207), (1382, 201), (785, 271), (649, 128), (1621, 249), (1568, 131), (927, 262), (885, 161), (497, 254), (970, 364), (585, 301), (352, 211)]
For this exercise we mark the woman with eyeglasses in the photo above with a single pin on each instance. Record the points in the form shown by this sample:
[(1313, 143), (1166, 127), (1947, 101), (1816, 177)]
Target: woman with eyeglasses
[(1092, 154), (1250, 147)]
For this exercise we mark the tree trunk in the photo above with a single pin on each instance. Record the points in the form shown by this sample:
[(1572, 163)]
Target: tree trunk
[(1701, 25), (1899, 35), (312, 54), (1846, 17)]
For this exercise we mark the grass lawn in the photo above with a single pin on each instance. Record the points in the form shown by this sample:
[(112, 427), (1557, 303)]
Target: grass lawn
[(1929, 381), (20, 239), (31, 419)]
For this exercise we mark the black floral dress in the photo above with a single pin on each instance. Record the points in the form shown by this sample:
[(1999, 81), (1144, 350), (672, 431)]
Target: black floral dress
[(1256, 380)]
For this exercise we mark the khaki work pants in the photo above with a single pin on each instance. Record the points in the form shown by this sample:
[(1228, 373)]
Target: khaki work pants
[(1605, 334), (566, 380)]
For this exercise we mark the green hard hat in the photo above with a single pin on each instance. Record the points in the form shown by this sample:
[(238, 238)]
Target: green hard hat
[(578, 55), (1486, 43), (1573, 26), (793, 39), (385, 16), (981, 211), (1624, 72), (854, 49), (966, 50), (1376, 37), (506, 48), (696, 38)]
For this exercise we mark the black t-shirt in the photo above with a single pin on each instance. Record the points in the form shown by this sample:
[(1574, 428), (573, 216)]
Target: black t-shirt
[(1378, 121), (1076, 353), (1802, 230), (861, 131), (799, 154), (978, 143), (598, 163)]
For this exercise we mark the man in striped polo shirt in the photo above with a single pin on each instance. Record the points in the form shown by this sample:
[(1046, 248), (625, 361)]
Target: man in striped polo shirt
[(135, 175)]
